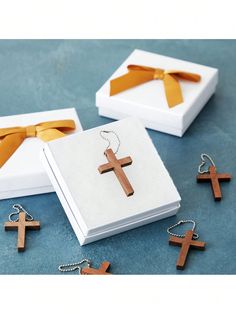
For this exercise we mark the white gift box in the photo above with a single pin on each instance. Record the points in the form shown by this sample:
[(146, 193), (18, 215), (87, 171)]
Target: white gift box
[(148, 101), (95, 203), (23, 174)]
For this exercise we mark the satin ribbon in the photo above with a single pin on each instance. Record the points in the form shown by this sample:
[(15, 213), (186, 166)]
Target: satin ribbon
[(139, 74), (12, 138)]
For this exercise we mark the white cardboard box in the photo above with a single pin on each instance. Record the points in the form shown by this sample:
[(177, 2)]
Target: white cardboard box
[(23, 174), (95, 203), (148, 101)]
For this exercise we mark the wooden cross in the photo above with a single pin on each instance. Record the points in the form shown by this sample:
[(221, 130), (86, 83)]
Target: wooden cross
[(93, 271), (21, 225), (186, 243), (116, 165), (215, 179)]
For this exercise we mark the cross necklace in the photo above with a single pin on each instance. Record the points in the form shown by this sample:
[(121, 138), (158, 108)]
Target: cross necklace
[(212, 176), (88, 270), (24, 222), (116, 165), (186, 241)]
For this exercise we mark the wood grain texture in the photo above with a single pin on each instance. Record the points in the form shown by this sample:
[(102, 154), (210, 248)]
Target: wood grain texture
[(22, 225), (102, 270), (214, 178), (116, 165), (186, 243)]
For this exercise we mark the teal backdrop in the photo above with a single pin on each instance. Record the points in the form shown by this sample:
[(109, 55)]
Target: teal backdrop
[(52, 74)]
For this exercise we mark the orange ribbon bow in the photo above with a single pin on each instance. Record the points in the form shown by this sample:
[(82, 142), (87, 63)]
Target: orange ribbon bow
[(12, 138), (139, 74)]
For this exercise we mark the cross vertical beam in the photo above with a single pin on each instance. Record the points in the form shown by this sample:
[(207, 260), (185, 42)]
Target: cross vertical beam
[(102, 270), (214, 178), (21, 225), (116, 165), (186, 243)]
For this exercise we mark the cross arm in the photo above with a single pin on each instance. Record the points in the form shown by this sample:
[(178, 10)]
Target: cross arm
[(93, 271), (11, 225), (100, 271), (203, 177), (175, 241), (200, 245), (104, 266), (224, 177), (127, 161), (35, 225), (105, 168)]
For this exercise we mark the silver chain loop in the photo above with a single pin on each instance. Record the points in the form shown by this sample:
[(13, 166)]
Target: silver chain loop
[(74, 266), (19, 208), (109, 141), (203, 156), (195, 235)]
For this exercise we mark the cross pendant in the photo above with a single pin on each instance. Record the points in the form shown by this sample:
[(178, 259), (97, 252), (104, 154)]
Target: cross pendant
[(21, 225), (102, 270), (186, 243), (215, 179), (116, 165)]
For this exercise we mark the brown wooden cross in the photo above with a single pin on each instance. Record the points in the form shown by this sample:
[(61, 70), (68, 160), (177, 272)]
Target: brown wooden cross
[(21, 225), (215, 179), (116, 165), (186, 243), (93, 271)]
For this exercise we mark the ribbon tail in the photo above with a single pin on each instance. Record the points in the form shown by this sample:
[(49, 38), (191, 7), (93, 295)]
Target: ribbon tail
[(62, 125), (172, 90), (192, 77), (129, 80), (8, 145), (50, 134)]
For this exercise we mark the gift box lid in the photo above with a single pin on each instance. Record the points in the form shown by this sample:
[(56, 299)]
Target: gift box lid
[(148, 101), (23, 174), (97, 201)]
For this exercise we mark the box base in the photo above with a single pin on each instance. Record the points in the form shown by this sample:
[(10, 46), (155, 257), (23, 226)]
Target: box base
[(154, 125), (142, 222), (86, 239), (26, 192), (115, 115)]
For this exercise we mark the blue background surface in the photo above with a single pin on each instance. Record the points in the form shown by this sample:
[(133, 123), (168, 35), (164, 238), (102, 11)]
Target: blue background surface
[(43, 75)]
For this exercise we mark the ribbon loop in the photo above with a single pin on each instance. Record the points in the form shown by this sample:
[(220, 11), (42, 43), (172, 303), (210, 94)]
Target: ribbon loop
[(158, 74), (139, 74), (31, 131), (12, 138)]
